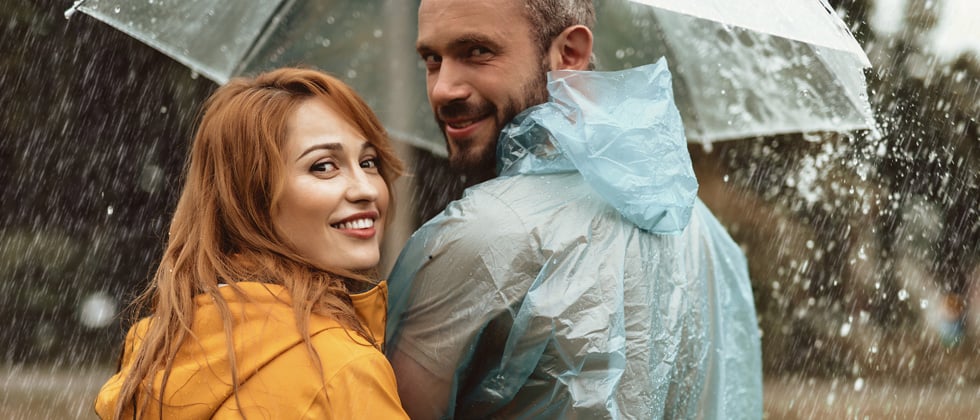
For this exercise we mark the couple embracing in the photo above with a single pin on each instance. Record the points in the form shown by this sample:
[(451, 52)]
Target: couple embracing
[(578, 276)]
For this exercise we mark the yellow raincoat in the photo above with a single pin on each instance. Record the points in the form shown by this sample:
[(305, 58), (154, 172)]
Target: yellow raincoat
[(276, 373)]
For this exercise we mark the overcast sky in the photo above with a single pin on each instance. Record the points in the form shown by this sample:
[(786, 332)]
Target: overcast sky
[(958, 28)]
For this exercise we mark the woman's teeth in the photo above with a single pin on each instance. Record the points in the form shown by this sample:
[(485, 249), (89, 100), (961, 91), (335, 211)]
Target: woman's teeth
[(355, 224)]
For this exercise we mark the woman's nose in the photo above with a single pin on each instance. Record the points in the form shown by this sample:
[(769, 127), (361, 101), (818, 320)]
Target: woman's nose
[(361, 187)]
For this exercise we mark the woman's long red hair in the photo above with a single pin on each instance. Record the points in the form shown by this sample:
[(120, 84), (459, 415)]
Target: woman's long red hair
[(222, 230)]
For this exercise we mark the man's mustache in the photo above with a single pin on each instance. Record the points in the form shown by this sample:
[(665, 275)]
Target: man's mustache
[(463, 110)]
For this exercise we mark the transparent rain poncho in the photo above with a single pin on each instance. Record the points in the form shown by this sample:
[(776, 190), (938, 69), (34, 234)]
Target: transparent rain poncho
[(587, 280)]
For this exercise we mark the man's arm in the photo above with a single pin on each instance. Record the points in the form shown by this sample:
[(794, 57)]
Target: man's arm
[(454, 276), (423, 394)]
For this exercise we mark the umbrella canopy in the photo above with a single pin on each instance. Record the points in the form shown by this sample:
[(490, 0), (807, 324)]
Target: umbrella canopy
[(370, 44), (737, 73), (742, 73)]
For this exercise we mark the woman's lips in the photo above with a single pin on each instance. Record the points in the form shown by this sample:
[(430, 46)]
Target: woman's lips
[(360, 226)]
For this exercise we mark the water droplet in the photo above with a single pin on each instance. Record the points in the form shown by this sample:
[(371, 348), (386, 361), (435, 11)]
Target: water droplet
[(923, 303), (163, 110), (378, 33), (859, 384), (903, 295), (109, 210), (845, 329), (97, 310), (116, 9)]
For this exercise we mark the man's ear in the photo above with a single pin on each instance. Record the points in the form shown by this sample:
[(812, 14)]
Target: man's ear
[(571, 49)]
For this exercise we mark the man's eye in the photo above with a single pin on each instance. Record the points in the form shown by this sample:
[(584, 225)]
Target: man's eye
[(479, 52), (323, 167), (431, 59)]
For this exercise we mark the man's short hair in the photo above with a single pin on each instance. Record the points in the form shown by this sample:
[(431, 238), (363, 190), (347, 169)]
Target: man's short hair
[(549, 17)]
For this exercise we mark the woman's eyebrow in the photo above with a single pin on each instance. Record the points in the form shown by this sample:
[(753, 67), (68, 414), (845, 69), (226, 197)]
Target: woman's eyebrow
[(321, 146)]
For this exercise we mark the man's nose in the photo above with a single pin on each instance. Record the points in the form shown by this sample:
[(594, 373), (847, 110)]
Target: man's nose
[(449, 84)]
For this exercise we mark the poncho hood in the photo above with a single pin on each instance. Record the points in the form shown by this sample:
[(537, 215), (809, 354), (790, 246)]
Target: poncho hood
[(622, 131)]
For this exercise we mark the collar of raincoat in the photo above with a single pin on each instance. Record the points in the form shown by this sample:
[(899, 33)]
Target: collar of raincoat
[(622, 131)]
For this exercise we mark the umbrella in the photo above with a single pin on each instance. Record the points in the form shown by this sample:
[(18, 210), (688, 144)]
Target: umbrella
[(737, 73), (370, 44)]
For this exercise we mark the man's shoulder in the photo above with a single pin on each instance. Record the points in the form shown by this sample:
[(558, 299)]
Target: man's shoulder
[(525, 195)]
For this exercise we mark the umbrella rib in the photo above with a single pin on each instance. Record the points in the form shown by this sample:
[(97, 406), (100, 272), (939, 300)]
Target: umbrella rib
[(280, 14)]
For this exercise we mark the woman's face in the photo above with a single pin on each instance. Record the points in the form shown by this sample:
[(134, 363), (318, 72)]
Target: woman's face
[(334, 203)]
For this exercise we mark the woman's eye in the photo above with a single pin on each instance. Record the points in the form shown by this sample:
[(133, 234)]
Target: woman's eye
[(372, 163), (323, 167)]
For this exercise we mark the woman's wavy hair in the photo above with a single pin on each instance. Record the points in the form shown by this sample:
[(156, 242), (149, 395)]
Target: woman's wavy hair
[(222, 230)]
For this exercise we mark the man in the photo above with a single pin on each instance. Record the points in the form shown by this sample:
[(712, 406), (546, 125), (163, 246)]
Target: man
[(552, 290)]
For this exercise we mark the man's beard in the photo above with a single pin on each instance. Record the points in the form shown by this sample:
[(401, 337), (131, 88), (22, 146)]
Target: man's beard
[(479, 164)]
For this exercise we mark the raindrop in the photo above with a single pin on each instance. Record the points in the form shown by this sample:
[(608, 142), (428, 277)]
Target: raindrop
[(845, 329), (903, 295), (859, 384), (330, 20), (809, 244), (378, 33), (109, 210), (97, 310), (923, 303), (163, 110), (116, 9), (351, 74), (725, 178)]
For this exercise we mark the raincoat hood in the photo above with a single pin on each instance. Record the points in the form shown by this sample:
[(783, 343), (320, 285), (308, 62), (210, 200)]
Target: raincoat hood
[(621, 131)]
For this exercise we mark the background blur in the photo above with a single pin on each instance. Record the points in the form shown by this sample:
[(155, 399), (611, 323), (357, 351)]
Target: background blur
[(863, 253)]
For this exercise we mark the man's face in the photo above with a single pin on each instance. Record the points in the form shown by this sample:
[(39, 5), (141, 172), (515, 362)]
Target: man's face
[(483, 68)]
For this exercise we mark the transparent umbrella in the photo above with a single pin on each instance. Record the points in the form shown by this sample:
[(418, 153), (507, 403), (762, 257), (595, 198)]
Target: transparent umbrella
[(370, 44), (738, 72), (745, 68)]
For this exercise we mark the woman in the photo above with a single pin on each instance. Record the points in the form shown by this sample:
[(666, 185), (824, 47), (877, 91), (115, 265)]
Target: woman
[(254, 310)]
